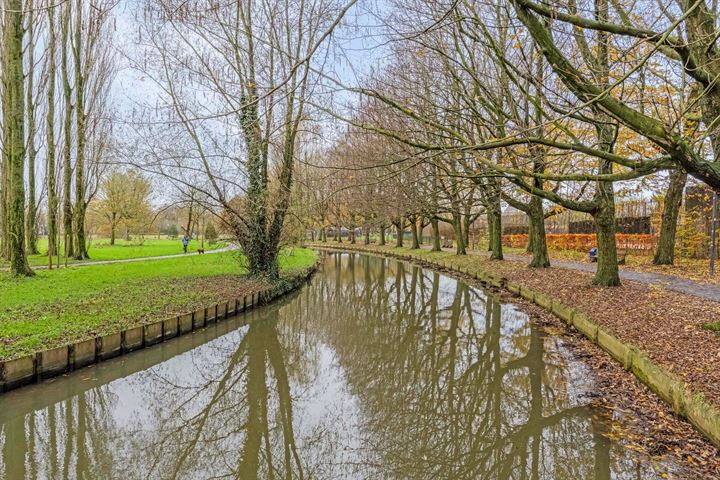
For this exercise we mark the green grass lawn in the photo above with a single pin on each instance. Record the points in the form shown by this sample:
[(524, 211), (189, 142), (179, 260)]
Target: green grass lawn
[(59, 306), (713, 327), (101, 250)]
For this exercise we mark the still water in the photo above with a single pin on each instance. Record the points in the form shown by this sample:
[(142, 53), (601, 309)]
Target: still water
[(375, 370)]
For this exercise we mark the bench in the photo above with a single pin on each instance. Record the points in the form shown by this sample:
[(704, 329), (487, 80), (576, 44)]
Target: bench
[(447, 243), (621, 255)]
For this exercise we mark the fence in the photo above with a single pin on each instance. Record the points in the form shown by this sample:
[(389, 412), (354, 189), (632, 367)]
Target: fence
[(636, 243), (638, 217), (638, 226)]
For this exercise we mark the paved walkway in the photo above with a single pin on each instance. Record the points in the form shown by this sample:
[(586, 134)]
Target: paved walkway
[(229, 248), (669, 282)]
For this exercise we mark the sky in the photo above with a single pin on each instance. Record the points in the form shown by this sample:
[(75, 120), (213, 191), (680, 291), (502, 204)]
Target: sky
[(358, 48)]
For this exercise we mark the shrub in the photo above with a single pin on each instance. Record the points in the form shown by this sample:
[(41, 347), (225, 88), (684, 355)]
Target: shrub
[(211, 234), (172, 231), (585, 241)]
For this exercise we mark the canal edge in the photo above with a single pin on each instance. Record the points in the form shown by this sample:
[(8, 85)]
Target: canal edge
[(674, 392), (44, 364)]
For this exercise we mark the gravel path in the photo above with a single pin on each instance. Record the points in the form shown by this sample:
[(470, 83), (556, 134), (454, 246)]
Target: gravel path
[(669, 282)]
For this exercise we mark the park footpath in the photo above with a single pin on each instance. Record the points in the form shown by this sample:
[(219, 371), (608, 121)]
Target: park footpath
[(654, 331), (90, 263), (668, 282)]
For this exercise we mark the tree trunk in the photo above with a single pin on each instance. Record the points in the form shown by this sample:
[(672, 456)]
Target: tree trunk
[(367, 235), (435, 234), (263, 260), (189, 224), (112, 229), (15, 140), (81, 138), (491, 225), (400, 233), (382, 235), (607, 274), (466, 230), (459, 237), (81, 252), (495, 228), (414, 233), (536, 238), (5, 176), (665, 252), (31, 217), (529, 246), (4, 187), (50, 138), (67, 127)]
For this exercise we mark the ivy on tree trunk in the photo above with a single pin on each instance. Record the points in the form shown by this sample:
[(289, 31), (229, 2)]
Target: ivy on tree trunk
[(14, 141)]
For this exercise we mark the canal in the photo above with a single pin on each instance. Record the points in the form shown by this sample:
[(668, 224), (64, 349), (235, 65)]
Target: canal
[(377, 369)]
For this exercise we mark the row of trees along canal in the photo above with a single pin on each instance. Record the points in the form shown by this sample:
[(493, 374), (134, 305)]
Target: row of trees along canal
[(543, 107), (517, 102)]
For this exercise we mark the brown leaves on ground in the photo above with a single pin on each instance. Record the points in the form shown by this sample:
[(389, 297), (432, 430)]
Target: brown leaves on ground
[(643, 422), (696, 269), (662, 323)]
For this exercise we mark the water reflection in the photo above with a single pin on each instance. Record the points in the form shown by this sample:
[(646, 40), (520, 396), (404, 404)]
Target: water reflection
[(376, 370)]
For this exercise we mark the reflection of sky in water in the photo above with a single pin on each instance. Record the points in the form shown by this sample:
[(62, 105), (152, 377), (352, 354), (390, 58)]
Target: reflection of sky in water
[(348, 384)]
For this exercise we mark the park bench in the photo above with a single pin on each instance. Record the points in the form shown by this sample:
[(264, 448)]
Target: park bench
[(621, 255), (447, 243)]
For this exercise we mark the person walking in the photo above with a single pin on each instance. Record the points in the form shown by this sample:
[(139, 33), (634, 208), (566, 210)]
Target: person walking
[(185, 242)]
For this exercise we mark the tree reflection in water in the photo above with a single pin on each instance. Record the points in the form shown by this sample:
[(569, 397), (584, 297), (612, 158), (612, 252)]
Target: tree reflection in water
[(376, 370)]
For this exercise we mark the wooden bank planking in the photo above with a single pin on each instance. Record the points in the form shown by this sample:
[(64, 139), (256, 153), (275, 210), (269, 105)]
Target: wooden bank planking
[(45, 364)]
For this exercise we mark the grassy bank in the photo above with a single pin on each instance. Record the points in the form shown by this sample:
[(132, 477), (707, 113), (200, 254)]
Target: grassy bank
[(59, 306), (100, 249)]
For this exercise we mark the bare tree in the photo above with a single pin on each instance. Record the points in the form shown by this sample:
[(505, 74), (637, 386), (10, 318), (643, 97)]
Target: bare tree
[(93, 72), (50, 165), (14, 134), (234, 80)]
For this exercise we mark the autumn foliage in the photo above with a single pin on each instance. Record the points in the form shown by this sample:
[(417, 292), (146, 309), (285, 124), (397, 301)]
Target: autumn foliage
[(584, 242)]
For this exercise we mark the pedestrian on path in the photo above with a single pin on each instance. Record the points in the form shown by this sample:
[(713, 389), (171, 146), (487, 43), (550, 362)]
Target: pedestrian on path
[(185, 242)]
